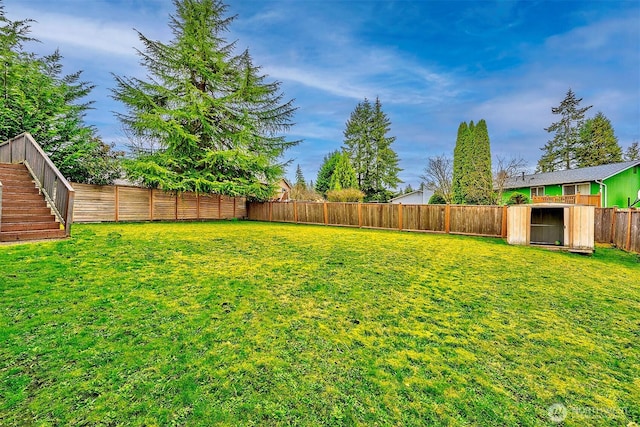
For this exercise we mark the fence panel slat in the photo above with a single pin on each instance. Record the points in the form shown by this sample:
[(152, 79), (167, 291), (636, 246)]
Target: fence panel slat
[(97, 203), (635, 232), (603, 220)]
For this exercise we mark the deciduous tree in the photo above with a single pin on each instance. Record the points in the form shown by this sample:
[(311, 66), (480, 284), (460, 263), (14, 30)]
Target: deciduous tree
[(438, 176)]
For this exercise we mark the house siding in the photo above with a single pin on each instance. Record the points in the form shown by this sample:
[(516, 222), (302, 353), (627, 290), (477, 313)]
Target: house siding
[(508, 193), (623, 186), (553, 190)]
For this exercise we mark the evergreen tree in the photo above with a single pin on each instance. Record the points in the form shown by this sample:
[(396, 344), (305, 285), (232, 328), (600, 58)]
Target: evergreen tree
[(37, 98), (561, 152), (633, 152), (215, 116), (478, 177), (598, 143), (472, 181), (323, 181), (385, 165), (358, 143), (460, 156), (344, 175), (300, 178), (369, 148)]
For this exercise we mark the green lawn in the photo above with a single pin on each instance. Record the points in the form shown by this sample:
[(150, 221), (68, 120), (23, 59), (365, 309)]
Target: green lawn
[(244, 323)]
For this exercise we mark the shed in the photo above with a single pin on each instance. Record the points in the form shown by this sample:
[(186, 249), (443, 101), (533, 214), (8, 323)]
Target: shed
[(562, 226)]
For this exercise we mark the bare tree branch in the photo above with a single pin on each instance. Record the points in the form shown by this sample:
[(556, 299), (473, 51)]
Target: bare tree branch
[(438, 176)]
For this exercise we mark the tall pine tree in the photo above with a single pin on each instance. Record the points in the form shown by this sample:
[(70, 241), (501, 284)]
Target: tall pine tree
[(598, 143), (385, 164), (479, 178), (369, 148), (300, 177), (216, 116), (472, 177), (633, 152), (460, 167), (561, 152)]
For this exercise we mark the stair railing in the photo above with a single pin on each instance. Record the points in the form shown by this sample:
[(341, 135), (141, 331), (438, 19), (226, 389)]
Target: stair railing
[(55, 188)]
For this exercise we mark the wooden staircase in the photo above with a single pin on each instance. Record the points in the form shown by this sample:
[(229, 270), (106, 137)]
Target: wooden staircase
[(25, 214)]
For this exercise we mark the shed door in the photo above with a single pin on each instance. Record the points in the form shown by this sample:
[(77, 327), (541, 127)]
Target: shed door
[(547, 226)]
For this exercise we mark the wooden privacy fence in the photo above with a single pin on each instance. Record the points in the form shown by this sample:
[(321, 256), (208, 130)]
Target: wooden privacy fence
[(451, 219), (108, 203), (620, 227)]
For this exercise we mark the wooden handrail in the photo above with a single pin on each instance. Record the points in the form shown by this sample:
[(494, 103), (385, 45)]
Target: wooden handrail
[(574, 199), (54, 186)]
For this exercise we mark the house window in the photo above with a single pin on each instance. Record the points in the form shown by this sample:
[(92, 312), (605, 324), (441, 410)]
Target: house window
[(573, 189), (537, 191)]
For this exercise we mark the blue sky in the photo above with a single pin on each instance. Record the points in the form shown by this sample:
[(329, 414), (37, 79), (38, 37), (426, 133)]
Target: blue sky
[(433, 64)]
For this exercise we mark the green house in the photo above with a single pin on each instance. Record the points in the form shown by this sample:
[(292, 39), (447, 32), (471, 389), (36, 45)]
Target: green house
[(615, 184)]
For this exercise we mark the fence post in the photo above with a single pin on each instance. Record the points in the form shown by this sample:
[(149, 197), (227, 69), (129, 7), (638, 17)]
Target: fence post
[(117, 203), (198, 206), (151, 204), (270, 211), (326, 214), (504, 221), (447, 218), (612, 234), (295, 212), (234, 206), (175, 211), (400, 216), (359, 215), (628, 243)]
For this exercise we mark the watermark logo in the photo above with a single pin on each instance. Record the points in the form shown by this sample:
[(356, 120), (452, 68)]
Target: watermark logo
[(557, 413)]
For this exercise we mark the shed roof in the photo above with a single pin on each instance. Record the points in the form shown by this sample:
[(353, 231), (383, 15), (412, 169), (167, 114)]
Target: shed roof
[(589, 174)]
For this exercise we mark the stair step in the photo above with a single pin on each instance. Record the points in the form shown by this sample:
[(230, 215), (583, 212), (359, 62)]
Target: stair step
[(18, 198), (16, 236), (17, 191), (27, 217), (25, 213), (22, 210), (28, 226), (29, 204), (17, 184), (7, 178)]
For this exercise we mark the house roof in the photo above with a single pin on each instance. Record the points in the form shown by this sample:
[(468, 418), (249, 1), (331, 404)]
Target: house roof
[(403, 196), (593, 173)]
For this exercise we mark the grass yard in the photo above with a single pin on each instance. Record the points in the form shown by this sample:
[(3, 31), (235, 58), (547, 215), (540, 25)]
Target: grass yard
[(241, 323)]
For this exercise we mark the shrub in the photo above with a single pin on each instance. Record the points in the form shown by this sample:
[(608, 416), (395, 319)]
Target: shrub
[(437, 199), (345, 195), (305, 193), (517, 199)]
